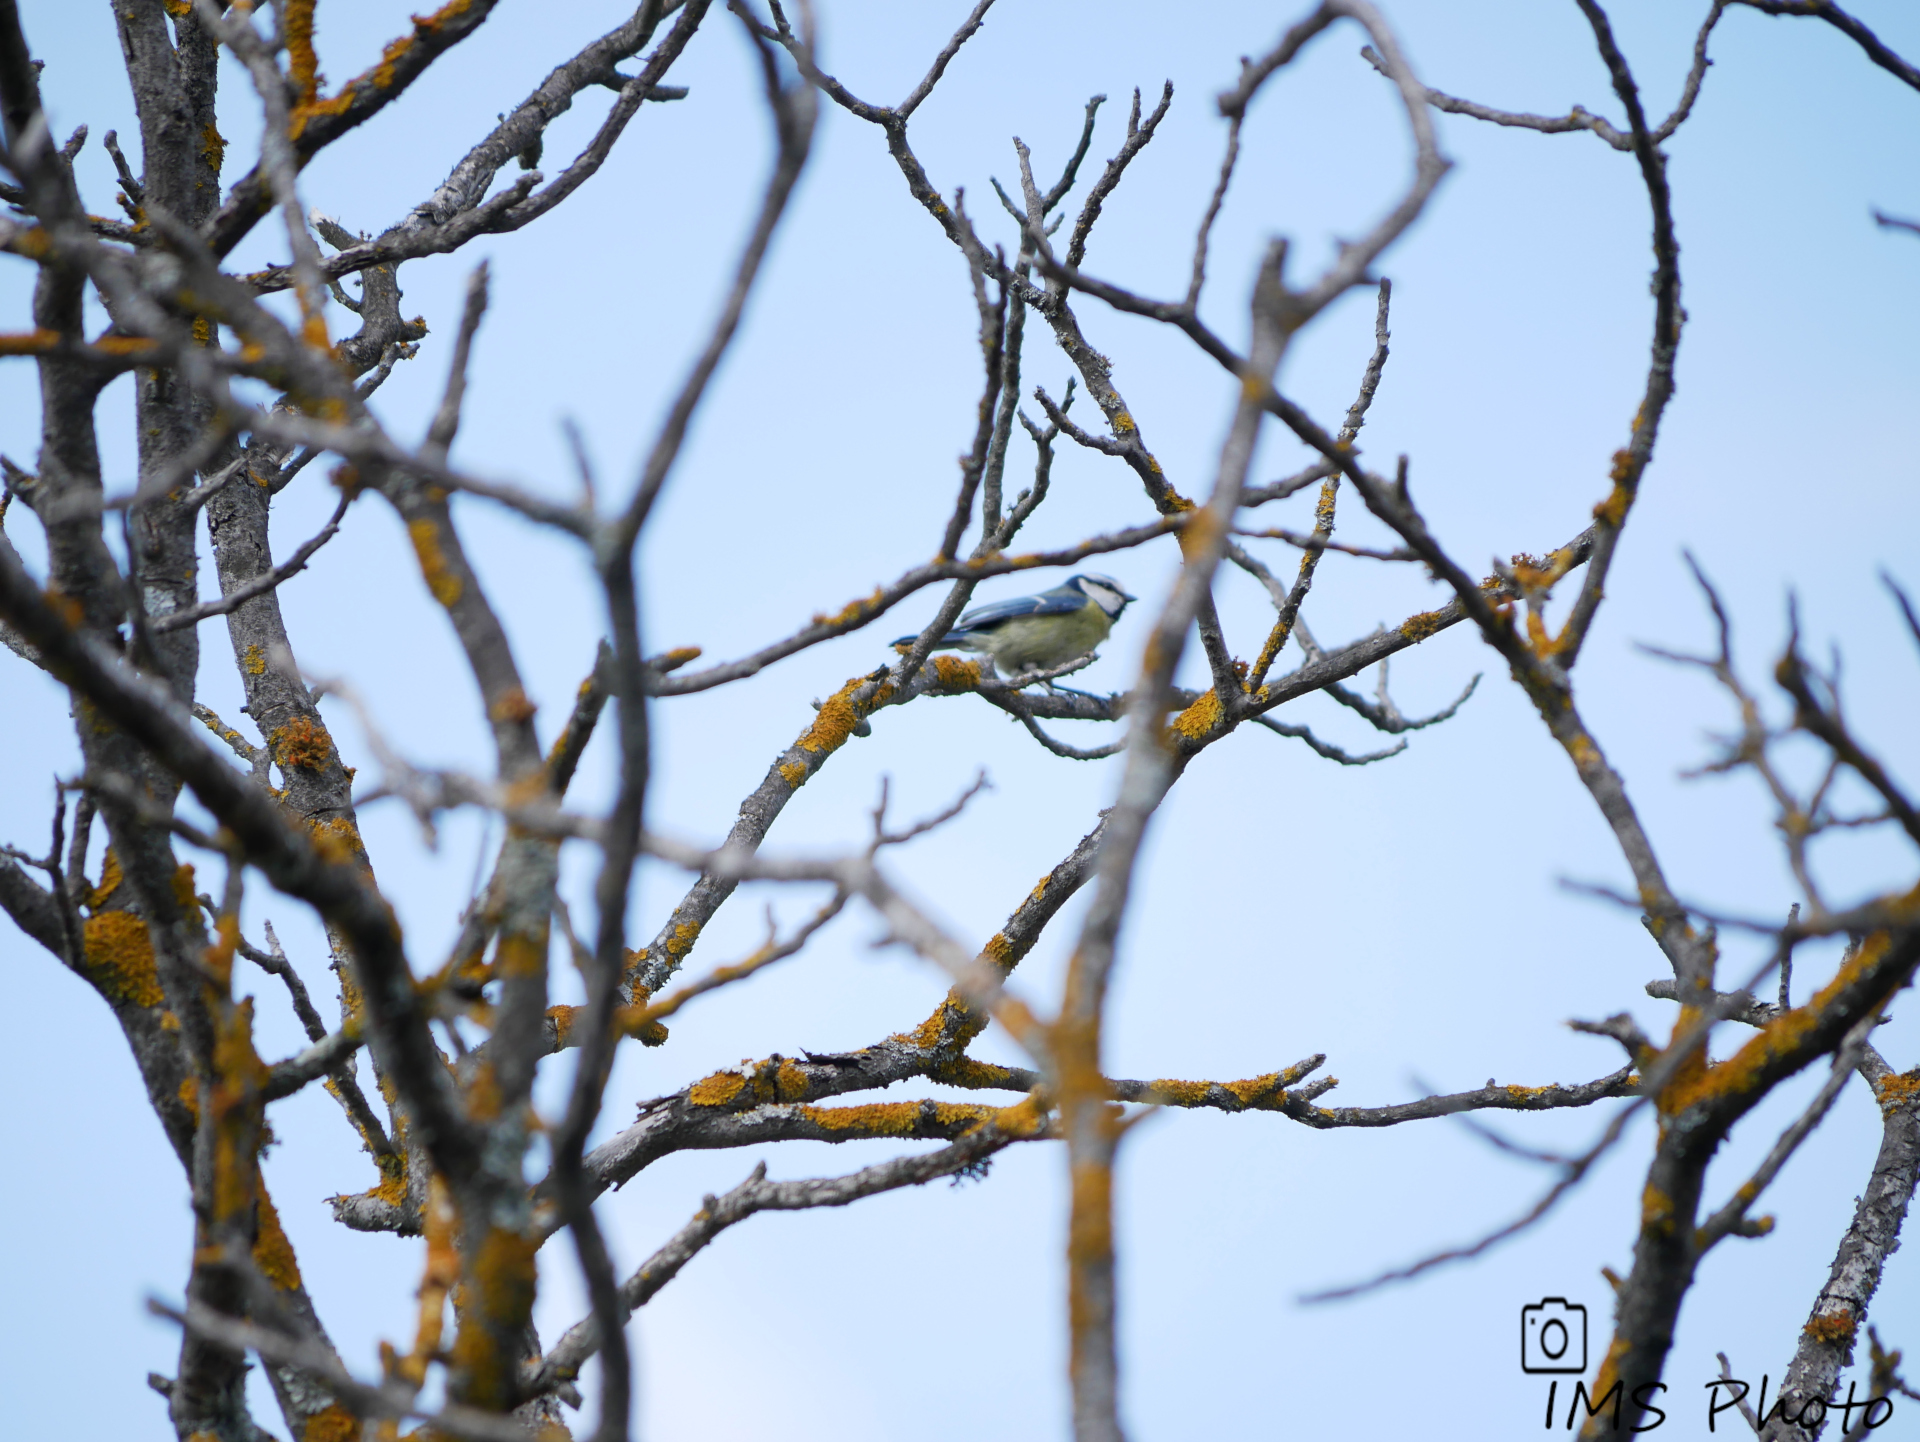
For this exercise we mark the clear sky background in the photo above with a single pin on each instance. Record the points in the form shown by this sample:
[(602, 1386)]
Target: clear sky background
[(1408, 919)]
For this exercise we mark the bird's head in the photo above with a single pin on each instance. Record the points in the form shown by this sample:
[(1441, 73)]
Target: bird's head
[(1105, 592)]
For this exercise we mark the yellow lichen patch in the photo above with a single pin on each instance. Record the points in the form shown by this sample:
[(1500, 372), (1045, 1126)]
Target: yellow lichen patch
[(1833, 1328), (794, 773), (520, 955), (213, 145), (852, 611), (897, 1119), (1418, 628), (332, 1423), (1253, 1089), (303, 743), (393, 1181), (513, 706), (789, 1081), (381, 77), (272, 1252), (119, 957), (966, 1072), (953, 674), (835, 723), (1621, 470), (190, 1097), (303, 66), (1739, 1072), (1613, 510), (183, 886), (1169, 1092), (683, 938), (562, 1018), (999, 951), (1200, 719), (1521, 1094), (335, 838), (1584, 753), (929, 1035), (1901, 1089), (441, 581), (1025, 1118), (1656, 1211), (110, 878), (498, 1296), (483, 1094), (716, 1090), (255, 660), (647, 1031)]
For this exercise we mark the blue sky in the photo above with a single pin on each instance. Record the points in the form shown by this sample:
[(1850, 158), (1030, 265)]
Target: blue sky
[(1408, 919)]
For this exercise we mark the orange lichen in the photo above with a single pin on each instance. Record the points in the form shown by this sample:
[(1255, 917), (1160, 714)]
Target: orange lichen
[(213, 145), (835, 723), (441, 581), (789, 1081), (1169, 1092), (335, 838), (1656, 1211), (1253, 1089), (110, 879), (303, 66), (382, 75), (497, 1298), (1780, 1036), (484, 1101), (1585, 754), (562, 1018), (332, 1423), (512, 706), (272, 1252), (683, 938), (953, 674), (1898, 1090), (898, 1119), (852, 611), (1025, 1118), (119, 957), (1418, 628), (966, 1072), (716, 1090), (1200, 719), (1833, 1328), (794, 773), (519, 955), (301, 742), (190, 1097), (255, 659), (999, 951)]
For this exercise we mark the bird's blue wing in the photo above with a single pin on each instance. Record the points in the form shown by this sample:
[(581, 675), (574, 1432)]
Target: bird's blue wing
[(1058, 602)]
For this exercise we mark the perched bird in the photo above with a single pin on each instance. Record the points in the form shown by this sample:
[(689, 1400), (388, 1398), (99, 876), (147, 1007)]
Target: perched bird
[(1033, 633)]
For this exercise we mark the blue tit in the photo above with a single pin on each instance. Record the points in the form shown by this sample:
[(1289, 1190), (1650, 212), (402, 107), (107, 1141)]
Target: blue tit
[(1034, 633)]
